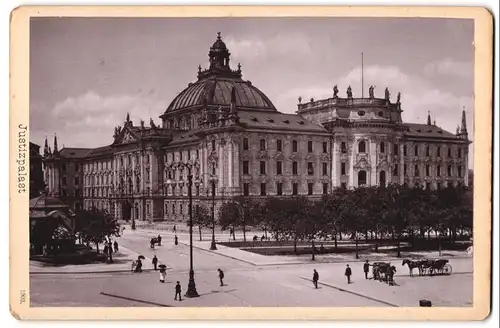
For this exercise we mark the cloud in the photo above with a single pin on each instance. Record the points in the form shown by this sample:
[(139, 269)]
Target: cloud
[(450, 67), (295, 45), (88, 120)]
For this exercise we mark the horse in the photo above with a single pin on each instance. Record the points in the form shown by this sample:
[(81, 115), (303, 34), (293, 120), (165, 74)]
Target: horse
[(412, 265)]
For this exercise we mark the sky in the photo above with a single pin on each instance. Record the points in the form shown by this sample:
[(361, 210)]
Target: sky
[(87, 73)]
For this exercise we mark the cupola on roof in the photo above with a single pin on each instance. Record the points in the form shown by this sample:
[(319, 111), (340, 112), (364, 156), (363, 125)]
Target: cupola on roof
[(214, 85)]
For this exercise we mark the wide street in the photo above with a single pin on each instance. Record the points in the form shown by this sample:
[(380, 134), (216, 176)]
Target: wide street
[(246, 282)]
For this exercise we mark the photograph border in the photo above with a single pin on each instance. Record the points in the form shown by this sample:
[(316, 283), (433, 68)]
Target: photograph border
[(482, 138)]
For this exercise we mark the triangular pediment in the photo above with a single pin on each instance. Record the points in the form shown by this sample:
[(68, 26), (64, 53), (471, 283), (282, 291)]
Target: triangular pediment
[(125, 136)]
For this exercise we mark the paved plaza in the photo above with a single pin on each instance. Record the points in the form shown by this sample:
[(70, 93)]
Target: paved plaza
[(250, 279)]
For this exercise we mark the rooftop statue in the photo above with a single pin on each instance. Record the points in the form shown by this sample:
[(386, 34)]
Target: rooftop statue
[(349, 92), (399, 98), (370, 91), (387, 94), (335, 91)]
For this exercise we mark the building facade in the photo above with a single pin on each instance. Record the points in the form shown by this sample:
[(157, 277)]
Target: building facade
[(37, 181), (222, 130)]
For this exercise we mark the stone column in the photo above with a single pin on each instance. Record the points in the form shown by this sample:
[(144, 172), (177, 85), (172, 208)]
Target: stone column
[(230, 165), (236, 164), (335, 179), (401, 164), (220, 151), (373, 162), (466, 167), (351, 164)]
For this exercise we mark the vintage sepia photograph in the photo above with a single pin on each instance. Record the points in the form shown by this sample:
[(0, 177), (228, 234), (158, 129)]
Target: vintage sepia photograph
[(243, 162)]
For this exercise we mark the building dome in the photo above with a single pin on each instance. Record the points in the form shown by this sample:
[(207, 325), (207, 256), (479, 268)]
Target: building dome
[(214, 86), (217, 91)]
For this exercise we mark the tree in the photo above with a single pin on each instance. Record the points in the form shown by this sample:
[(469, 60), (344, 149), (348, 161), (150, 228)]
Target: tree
[(202, 218), (96, 226)]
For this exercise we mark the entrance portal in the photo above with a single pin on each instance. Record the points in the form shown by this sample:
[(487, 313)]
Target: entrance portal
[(126, 211)]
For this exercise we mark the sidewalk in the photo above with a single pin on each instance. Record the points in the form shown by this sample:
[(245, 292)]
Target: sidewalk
[(122, 262)]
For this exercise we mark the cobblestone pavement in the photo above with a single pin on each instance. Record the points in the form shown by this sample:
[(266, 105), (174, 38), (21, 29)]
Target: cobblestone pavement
[(247, 284)]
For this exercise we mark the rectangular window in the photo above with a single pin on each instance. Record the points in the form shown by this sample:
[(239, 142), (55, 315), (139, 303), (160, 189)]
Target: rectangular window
[(262, 189), (342, 168), (180, 155), (449, 170), (325, 168), (246, 189), (279, 146), (197, 190), (459, 153), (77, 181), (279, 189), (395, 149), (189, 155), (245, 167), (262, 167), (310, 187), (417, 173), (213, 145), (343, 185), (309, 146), (428, 186), (395, 171), (343, 147), (460, 171), (197, 154), (173, 208), (416, 150), (438, 151), (294, 168), (405, 150), (262, 144), (325, 188), (405, 170), (427, 151), (295, 189), (438, 173), (427, 170), (245, 143), (310, 168), (213, 169), (279, 167), (325, 147), (63, 168), (294, 146), (63, 181), (181, 209), (77, 167), (449, 152)]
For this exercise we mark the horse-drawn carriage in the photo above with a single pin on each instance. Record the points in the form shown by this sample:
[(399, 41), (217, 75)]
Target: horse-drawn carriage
[(383, 271), (429, 266)]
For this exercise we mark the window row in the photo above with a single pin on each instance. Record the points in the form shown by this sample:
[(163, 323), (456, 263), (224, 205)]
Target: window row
[(416, 149), (417, 170), (279, 168), (279, 189), (67, 166), (182, 155), (263, 145)]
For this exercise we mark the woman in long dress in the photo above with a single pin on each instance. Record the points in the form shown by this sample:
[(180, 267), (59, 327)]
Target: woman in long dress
[(163, 273)]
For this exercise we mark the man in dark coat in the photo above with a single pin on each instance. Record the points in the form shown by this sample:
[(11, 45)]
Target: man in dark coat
[(176, 240), (221, 276), (366, 268), (116, 246), (159, 240), (315, 278), (178, 290), (155, 262), (348, 274)]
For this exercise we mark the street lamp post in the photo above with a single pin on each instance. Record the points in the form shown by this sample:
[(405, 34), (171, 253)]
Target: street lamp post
[(213, 246), (191, 291)]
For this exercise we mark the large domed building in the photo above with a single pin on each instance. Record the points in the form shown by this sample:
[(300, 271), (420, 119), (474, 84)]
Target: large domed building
[(228, 135)]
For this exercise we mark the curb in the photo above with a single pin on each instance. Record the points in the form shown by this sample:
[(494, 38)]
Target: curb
[(354, 293)]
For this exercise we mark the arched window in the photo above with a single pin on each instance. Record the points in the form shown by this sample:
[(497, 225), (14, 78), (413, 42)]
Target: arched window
[(361, 178), (382, 147), (382, 178), (362, 147)]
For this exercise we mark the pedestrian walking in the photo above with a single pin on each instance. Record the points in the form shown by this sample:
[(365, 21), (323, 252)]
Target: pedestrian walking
[(155, 262), (348, 274), (138, 266), (221, 276), (366, 268), (315, 278), (115, 244), (152, 243), (176, 240), (159, 240), (163, 273), (174, 229), (178, 290)]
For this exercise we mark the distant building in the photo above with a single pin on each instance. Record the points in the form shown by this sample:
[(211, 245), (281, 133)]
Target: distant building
[(37, 184), (232, 135)]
